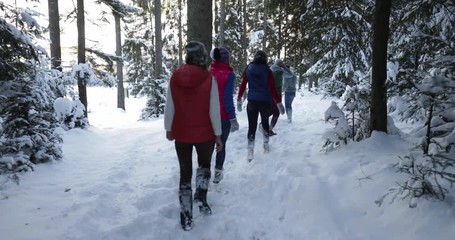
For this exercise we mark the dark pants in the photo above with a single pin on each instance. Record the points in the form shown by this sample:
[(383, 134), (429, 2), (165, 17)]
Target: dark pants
[(275, 114), (254, 108), (185, 152), (221, 155)]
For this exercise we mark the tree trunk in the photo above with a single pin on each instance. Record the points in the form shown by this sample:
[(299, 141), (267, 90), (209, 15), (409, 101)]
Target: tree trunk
[(244, 39), (222, 21), (311, 77), (264, 26), (200, 22), (158, 41), (54, 34), (280, 32), (428, 135), (81, 81), (378, 119), (180, 34), (118, 53)]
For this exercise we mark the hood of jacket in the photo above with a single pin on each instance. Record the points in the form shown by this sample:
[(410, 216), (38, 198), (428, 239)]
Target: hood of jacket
[(276, 68), (190, 76), (220, 66), (288, 74)]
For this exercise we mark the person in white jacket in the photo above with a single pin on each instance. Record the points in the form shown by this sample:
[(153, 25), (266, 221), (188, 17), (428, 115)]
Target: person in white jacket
[(289, 89)]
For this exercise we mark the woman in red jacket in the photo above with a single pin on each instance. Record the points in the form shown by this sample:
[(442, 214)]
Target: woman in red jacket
[(225, 78), (192, 119)]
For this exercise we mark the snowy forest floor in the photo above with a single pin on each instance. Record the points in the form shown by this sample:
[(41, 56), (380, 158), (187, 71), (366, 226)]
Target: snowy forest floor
[(119, 180)]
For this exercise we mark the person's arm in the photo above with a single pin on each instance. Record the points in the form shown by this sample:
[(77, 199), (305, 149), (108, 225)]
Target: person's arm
[(242, 86), (272, 88), (169, 112), (215, 116), (228, 96)]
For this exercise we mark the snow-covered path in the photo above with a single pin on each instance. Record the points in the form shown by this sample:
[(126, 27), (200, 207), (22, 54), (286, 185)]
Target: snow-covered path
[(121, 183)]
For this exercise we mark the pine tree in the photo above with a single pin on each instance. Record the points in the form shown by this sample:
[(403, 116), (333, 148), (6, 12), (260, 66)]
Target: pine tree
[(140, 56), (339, 38), (422, 85), (27, 95), (119, 11)]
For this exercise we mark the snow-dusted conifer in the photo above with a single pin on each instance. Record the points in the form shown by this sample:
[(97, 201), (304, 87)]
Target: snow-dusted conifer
[(338, 136), (339, 37), (27, 93), (357, 106), (139, 55)]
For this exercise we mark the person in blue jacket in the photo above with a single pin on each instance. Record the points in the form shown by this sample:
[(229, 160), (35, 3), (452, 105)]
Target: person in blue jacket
[(261, 92)]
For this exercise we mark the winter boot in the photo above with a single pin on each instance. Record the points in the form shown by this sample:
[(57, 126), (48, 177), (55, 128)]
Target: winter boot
[(266, 144), (289, 113), (218, 175), (250, 149), (272, 133), (266, 135), (186, 207), (202, 186)]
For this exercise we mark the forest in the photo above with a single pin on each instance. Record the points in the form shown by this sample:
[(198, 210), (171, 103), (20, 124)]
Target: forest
[(380, 58)]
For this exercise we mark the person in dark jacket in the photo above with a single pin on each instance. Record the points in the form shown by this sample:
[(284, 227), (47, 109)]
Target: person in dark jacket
[(225, 77), (192, 119), (261, 93)]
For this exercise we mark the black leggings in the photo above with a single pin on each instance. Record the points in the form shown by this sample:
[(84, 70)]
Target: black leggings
[(185, 152), (254, 108)]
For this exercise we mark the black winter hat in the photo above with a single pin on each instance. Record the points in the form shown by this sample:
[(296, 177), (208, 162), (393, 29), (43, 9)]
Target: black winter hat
[(196, 54), (260, 57)]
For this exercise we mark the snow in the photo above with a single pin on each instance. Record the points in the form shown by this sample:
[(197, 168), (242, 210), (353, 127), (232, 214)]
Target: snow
[(119, 180), (62, 107)]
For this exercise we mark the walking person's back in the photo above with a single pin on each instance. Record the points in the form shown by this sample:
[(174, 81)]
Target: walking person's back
[(278, 71), (261, 93), (289, 89), (192, 119), (225, 77)]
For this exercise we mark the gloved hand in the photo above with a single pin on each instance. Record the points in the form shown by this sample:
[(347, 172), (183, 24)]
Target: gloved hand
[(169, 136), (239, 105), (218, 143), (280, 108), (234, 125)]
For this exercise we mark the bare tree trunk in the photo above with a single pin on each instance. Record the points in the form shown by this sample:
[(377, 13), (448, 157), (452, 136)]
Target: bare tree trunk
[(378, 119), (244, 39), (222, 21), (264, 26), (54, 34), (158, 41), (180, 34), (200, 22), (81, 81), (428, 135), (280, 32), (311, 78), (118, 53), (151, 19)]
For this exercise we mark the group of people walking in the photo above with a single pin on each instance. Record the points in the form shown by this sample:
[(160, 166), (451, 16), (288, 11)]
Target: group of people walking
[(200, 114)]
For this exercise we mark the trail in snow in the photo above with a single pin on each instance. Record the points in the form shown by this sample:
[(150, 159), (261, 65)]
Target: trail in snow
[(252, 199), (122, 183)]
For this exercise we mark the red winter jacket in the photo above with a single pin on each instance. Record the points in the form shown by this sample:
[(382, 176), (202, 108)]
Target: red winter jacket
[(225, 78), (190, 86)]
